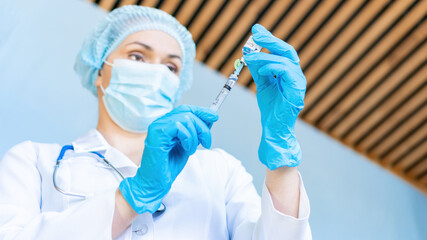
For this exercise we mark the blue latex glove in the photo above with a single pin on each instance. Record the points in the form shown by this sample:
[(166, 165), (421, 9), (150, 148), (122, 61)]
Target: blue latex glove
[(280, 93), (170, 140)]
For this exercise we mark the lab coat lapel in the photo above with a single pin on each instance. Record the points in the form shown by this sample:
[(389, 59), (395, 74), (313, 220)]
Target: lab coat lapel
[(94, 141)]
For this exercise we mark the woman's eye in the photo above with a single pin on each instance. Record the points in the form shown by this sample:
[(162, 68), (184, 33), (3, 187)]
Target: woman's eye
[(172, 68), (136, 57)]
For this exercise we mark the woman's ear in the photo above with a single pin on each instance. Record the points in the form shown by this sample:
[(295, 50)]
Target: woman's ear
[(104, 75), (98, 79), (100, 70)]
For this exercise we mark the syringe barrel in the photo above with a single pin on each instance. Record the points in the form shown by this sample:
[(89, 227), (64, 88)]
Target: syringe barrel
[(249, 47), (223, 93), (220, 99)]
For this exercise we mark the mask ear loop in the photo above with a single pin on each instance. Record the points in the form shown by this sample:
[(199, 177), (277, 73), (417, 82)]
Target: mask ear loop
[(109, 64)]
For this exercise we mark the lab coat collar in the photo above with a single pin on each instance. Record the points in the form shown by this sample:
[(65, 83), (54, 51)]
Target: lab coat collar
[(94, 141)]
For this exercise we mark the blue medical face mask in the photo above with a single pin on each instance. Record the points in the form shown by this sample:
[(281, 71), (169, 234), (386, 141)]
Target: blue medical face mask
[(139, 93)]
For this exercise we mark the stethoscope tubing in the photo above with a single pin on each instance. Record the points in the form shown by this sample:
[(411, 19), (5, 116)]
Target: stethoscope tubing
[(64, 149)]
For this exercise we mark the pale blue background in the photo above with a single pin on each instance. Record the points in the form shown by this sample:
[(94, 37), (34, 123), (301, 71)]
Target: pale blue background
[(41, 99)]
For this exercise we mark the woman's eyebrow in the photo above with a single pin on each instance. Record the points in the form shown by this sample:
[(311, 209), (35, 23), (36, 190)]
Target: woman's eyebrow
[(141, 44), (174, 56)]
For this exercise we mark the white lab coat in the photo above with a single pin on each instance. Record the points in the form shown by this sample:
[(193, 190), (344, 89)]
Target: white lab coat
[(212, 198)]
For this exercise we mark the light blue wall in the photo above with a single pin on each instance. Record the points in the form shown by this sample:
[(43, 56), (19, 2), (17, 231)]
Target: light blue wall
[(40, 96), (41, 99)]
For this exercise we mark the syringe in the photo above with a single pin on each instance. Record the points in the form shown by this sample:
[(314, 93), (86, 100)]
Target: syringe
[(249, 47)]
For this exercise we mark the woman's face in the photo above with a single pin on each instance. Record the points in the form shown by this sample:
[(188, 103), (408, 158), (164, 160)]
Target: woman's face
[(150, 46)]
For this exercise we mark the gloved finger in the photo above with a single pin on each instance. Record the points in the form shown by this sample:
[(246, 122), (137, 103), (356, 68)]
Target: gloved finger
[(207, 115), (210, 125), (286, 74), (255, 61), (265, 39), (199, 130), (188, 121), (203, 132), (290, 84), (261, 58), (184, 136)]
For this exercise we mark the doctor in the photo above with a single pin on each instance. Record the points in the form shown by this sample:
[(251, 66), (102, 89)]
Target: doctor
[(139, 61)]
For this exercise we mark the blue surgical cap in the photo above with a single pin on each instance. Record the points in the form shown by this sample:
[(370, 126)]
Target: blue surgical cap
[(118, 25)]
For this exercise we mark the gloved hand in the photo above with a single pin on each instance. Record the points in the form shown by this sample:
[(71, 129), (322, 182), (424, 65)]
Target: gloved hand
[(280, 94), (170, 141)]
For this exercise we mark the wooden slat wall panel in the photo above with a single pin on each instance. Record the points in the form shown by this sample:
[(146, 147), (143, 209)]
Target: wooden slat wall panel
[(423, 181), (357, 48), (365, 63), (224, 20), (398, 132), (287, 24), (150, 3), (239, 28), (205, 16), (413, 156), (381, 112), (402, 70), (338, 45), (381, 71), (357, 73), (107, 4), (126, 2), (419, 168), (399, 152), (170, 5), (399, 116), (312, 22), (187, 11), (274, 13), (323, 37)]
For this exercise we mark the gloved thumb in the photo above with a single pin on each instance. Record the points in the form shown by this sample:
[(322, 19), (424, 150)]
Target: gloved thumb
[(254, 63), (276, 46)]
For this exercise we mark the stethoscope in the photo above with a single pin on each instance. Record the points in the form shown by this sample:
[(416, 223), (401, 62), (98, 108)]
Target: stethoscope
[(98, 156)]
